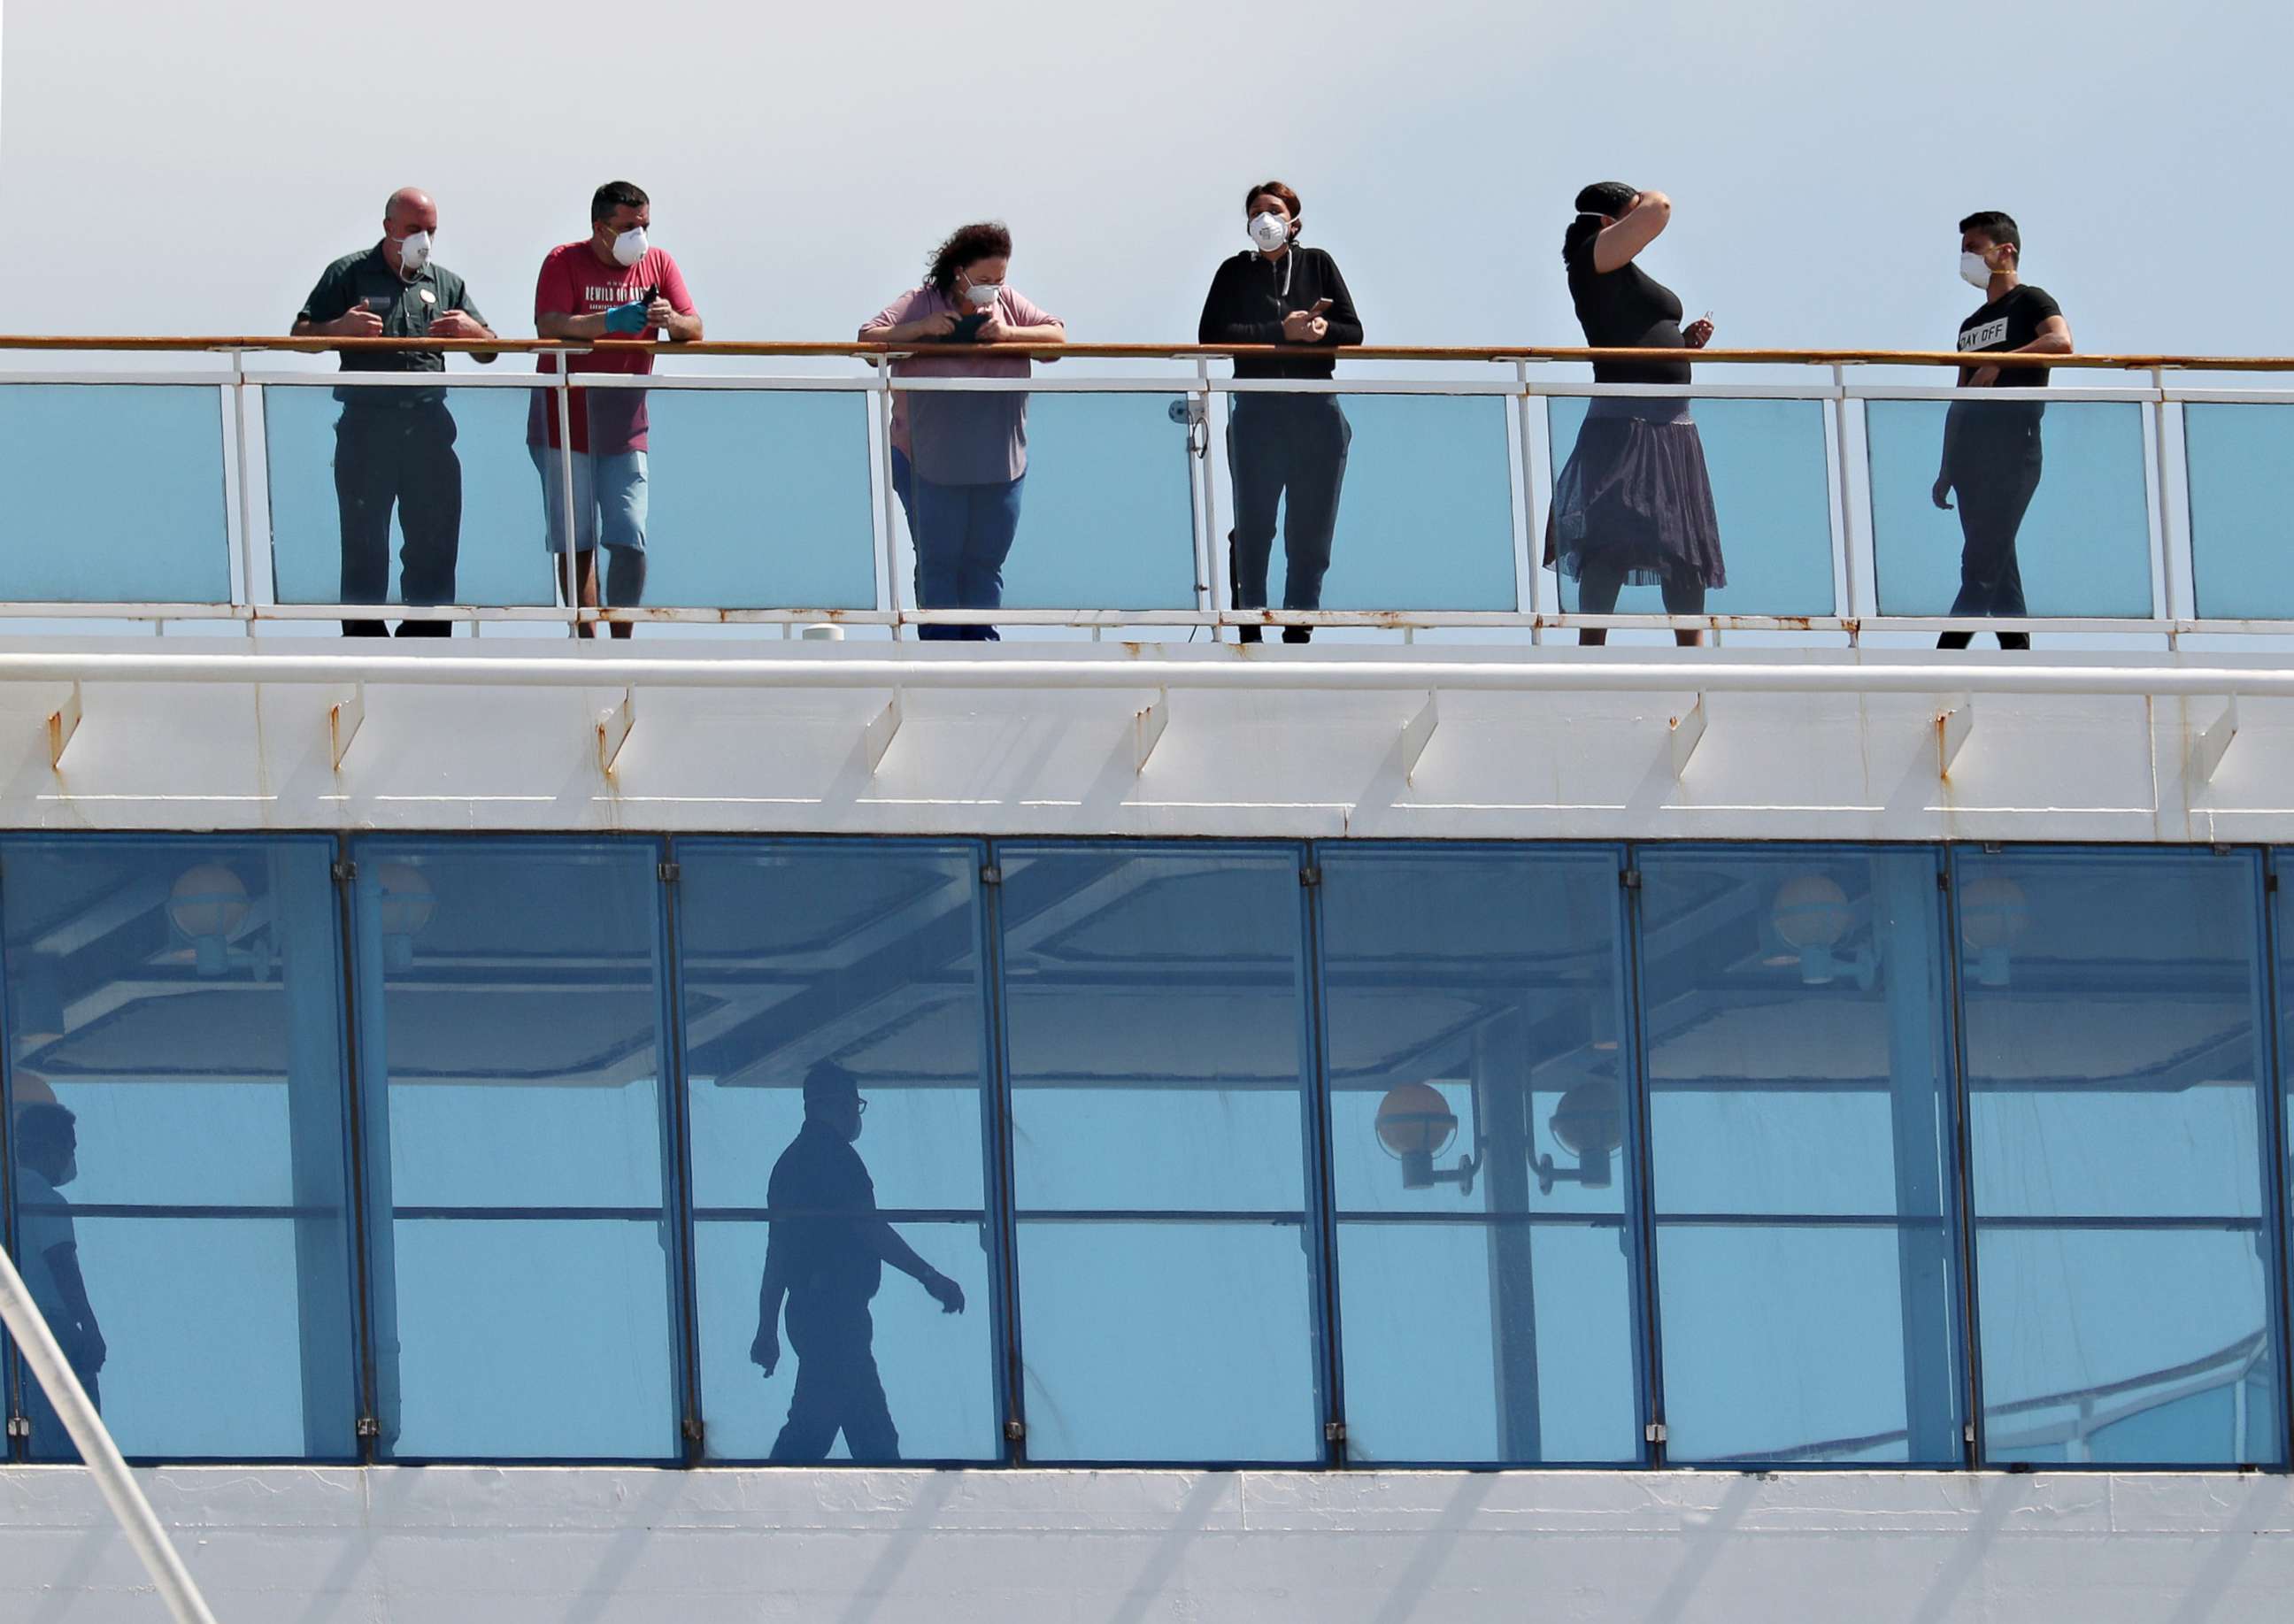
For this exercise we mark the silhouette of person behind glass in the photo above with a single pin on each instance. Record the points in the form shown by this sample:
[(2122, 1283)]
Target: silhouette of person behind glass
[(48, 1253), (826, 1254)]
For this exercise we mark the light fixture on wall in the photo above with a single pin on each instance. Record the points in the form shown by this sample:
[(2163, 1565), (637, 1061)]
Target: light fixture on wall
[(1810, 914), (1588, 1123), (407, 901), (208, 905), (1993, 913), (1415, 1124)]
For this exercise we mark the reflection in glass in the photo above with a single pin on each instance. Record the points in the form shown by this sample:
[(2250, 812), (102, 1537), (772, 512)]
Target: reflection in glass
[(835, 1030), (1156, 1032), (1473, 1007), (2241, 530), (77, 531), (175, 1046), (1801, 1146), (511, 1050), (2071, 537), (2114, 1063)]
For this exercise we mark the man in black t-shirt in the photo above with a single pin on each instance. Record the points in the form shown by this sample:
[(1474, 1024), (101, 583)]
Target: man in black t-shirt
[(1991, 453), (826, 1254), (396, 446)]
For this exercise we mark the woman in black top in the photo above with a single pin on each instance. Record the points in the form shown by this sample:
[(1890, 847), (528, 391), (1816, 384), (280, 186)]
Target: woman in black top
[(1285, 451), (1633, 505)]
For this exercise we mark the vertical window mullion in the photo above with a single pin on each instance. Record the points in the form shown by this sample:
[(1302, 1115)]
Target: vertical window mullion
[(1641, 1209), (1003, 1256), (1972, 1433), (2273, 993), (354, 1138), (13, 1373), (677, 1164), (1321, 1204)]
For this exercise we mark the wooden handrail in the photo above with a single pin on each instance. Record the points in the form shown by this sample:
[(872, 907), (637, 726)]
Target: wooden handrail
[(263, 343)]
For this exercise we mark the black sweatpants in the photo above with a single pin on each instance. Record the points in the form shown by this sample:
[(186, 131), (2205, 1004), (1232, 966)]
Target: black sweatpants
[(1279, 447), (1994, 473), (837, 1386), (385, 454)]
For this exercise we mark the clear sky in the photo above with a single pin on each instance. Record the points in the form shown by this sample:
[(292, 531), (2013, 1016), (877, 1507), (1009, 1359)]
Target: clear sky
[(167, 168)]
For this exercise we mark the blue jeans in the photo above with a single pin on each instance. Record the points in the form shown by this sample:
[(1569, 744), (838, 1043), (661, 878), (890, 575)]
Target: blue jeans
[(962, 535)]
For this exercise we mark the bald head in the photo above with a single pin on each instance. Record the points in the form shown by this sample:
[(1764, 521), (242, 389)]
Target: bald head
[(410, 209)]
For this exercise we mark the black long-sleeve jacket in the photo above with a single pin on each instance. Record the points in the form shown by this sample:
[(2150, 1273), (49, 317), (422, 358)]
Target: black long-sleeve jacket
[(1251, 294)]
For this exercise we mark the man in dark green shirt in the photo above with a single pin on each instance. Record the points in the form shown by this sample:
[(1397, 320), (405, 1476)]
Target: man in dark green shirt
[(395, 445)]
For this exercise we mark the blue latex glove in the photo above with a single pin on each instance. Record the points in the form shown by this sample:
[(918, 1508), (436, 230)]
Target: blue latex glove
[(629, 318)]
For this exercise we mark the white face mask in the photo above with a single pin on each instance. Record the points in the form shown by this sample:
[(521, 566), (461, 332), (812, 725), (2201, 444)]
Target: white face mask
[(1269, 231), (1975, 271), (630, 247), (414, 252), (984, 294)]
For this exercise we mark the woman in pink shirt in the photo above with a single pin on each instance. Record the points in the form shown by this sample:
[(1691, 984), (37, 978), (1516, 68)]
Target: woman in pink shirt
[(959, 458)]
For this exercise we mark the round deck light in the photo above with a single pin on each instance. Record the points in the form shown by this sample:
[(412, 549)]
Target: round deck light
[(207, 905), (1415, 1124)]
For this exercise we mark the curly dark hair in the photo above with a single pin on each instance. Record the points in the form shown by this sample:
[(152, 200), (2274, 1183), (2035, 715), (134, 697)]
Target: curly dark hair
[(968, 245)]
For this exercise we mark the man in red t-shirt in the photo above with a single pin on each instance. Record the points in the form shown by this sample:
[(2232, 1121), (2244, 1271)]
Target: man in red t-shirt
[(610, 285)]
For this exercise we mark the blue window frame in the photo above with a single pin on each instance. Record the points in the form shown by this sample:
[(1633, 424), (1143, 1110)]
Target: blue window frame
[(511, 1049), (176, 1137), (1473, 1002), (1803, 1154), (1158, 1046), (834, 989), (2115, 1027)]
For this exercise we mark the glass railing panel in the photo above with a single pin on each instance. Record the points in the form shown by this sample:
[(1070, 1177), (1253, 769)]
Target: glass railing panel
[(758, 499), (344, 476), (2049, 513), (82, 528), (2241, 528), (1729, 500), (1369, 501), (1100, 514)]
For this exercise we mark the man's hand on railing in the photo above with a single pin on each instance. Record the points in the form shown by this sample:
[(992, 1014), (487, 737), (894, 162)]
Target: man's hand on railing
[(357, 322), (457, 324)]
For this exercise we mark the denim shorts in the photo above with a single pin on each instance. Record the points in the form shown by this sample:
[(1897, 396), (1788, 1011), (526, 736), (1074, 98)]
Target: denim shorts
[(609, 492)]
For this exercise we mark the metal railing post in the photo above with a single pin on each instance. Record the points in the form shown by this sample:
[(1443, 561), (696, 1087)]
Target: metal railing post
[(1849, 609), (2177, 585), (1529, 553), (1207, 547), (37, 1345), (888, 500), (572, 582)]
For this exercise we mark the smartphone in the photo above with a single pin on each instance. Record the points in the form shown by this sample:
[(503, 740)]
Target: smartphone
[(1321, 307), (381, 304), (967, 328)]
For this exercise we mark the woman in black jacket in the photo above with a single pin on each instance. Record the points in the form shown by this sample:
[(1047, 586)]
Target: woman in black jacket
[(1633, 505), (1276, 292)]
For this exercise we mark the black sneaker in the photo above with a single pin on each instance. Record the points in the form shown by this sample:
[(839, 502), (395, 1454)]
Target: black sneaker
[(1298, 634)]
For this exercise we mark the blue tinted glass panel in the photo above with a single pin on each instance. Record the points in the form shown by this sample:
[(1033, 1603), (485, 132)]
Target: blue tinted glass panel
[(1800, 1137), (1168, 1340), (2242, 532), (1473, 1005), (77, 531), (1107, 508), (832, 989), (2083, 545), (2113, 1028), (760, 500), (1425, 494), (500, 559), (1155, 1025), (511, 1052), (1766, 463), (176, 1117)]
